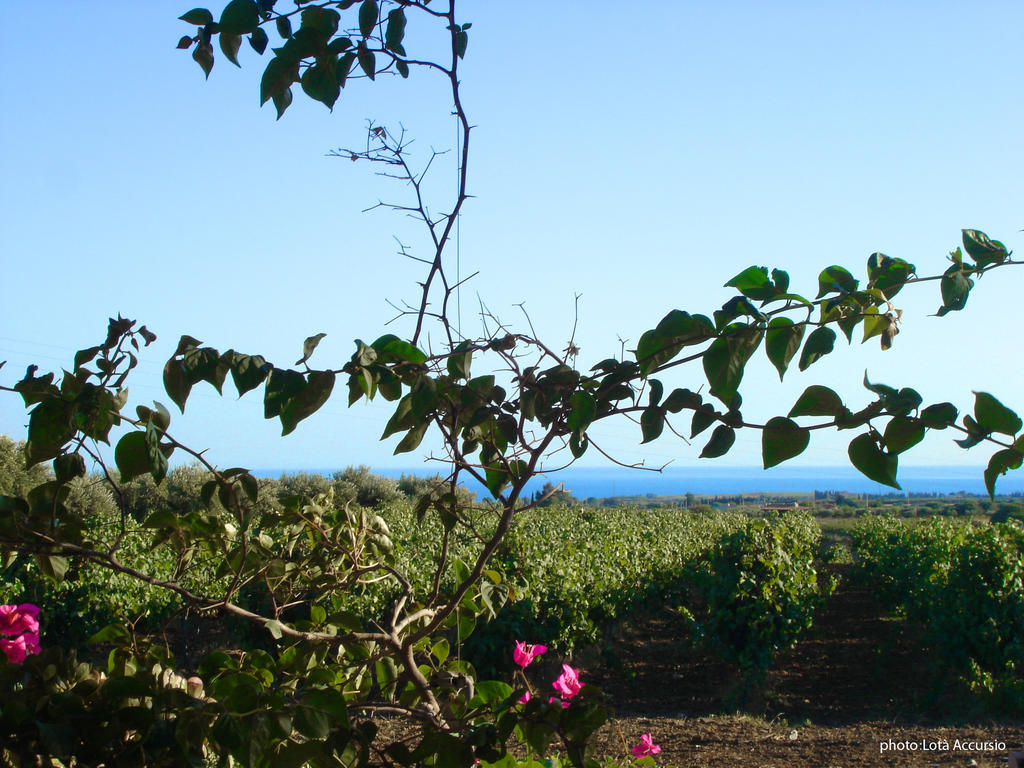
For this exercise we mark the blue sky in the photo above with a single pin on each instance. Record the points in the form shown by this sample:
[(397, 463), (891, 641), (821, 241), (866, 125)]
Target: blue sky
[(638, 155)]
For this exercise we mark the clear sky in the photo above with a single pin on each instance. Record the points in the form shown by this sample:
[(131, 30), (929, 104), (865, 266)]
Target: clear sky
[(638, 154)]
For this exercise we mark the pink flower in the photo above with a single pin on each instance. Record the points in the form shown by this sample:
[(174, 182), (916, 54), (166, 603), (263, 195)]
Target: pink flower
[(15, 619), (17, 649), (568, 683), (524, 654), (646, 746), (553, 699), (524, 698)]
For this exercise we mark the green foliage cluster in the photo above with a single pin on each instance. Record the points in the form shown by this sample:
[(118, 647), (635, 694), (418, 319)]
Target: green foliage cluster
[(963, 582), (760, 590)]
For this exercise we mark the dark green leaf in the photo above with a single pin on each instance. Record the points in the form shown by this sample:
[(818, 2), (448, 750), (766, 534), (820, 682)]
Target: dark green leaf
[(277, 78), (248, 372), (999, 464), (781, 440), (259, 40), (819, 343), (675, 331), (403, 68), (721, 441), (320, 82), (394, 33), (584, 411), (939, 415), (198, 16), (203, 56), (282, 101), (184, 43), (983, 249), (679, 399), (703, 418), (993, 416), (835, 279), (782, 340), (53, 567), (955, 287), (323, 22), (902, 433), (240, 17), (49, 429), (282, 386), (68, 466), (367, 61), (887, 274), (284, 27), (725, 359), (412, 439), (392, 348), (459, 361), (368, 12), (652, 422), (132, 456), (343, 67), (461, 43), (308, 401), (818, 401), (230, 45), (872, 461)]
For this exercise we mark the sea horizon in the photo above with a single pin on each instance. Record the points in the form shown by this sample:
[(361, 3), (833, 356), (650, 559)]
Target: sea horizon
[(604, 482)]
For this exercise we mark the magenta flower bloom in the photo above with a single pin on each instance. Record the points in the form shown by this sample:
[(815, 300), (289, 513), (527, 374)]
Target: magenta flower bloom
[(15, 619), (524, 698), (568, 683), (17, 649), (553, 699), (524, 654), (646, 746)]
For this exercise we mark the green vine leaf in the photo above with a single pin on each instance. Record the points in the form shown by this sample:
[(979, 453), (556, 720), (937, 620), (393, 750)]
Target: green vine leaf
[(819, 343), (782, 340), (781, 440), (721, 441), (872, 461)]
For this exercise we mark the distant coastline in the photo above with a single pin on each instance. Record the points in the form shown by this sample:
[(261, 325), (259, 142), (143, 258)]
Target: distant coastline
[(601, 482)]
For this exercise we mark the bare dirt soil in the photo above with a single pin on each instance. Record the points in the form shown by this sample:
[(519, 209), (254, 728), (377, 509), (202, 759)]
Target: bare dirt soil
[(861, 690)]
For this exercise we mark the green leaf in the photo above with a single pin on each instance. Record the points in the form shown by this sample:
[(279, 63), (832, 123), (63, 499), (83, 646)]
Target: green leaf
[(781, 440), (284, 27), (240, 17), (679, 399), (198, 16), (721, 441), (258, 40), (308, 401), (281, 387), (983, 249), (230, 45), (819, 344), (323, 22), (955, 287), (402, 67), (282, 101), (903, 433), (993, 416), (725, 359), (412, 439), (203, 56), (274, 628), (132, 456), (53, 567), (343, 67), (461, 43), (321, 84), (49, 429), (872, 461), (584, 411), (184, 43), (394, 33), (459, 361), (367, 61), (703, 418), (248, 372), (278, 76), (887, 274), (835, 279), (999, 464), (782, 340), (753, 283), (939, 415), (368, 13), (818, 401), (675, 331), (652, 422), (392, 348), (68, 466)]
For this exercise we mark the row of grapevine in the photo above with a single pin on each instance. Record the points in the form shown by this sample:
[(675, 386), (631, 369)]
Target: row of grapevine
[(964, 583)]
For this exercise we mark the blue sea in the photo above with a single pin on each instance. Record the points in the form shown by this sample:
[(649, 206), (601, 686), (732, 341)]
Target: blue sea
[(602, 482)]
